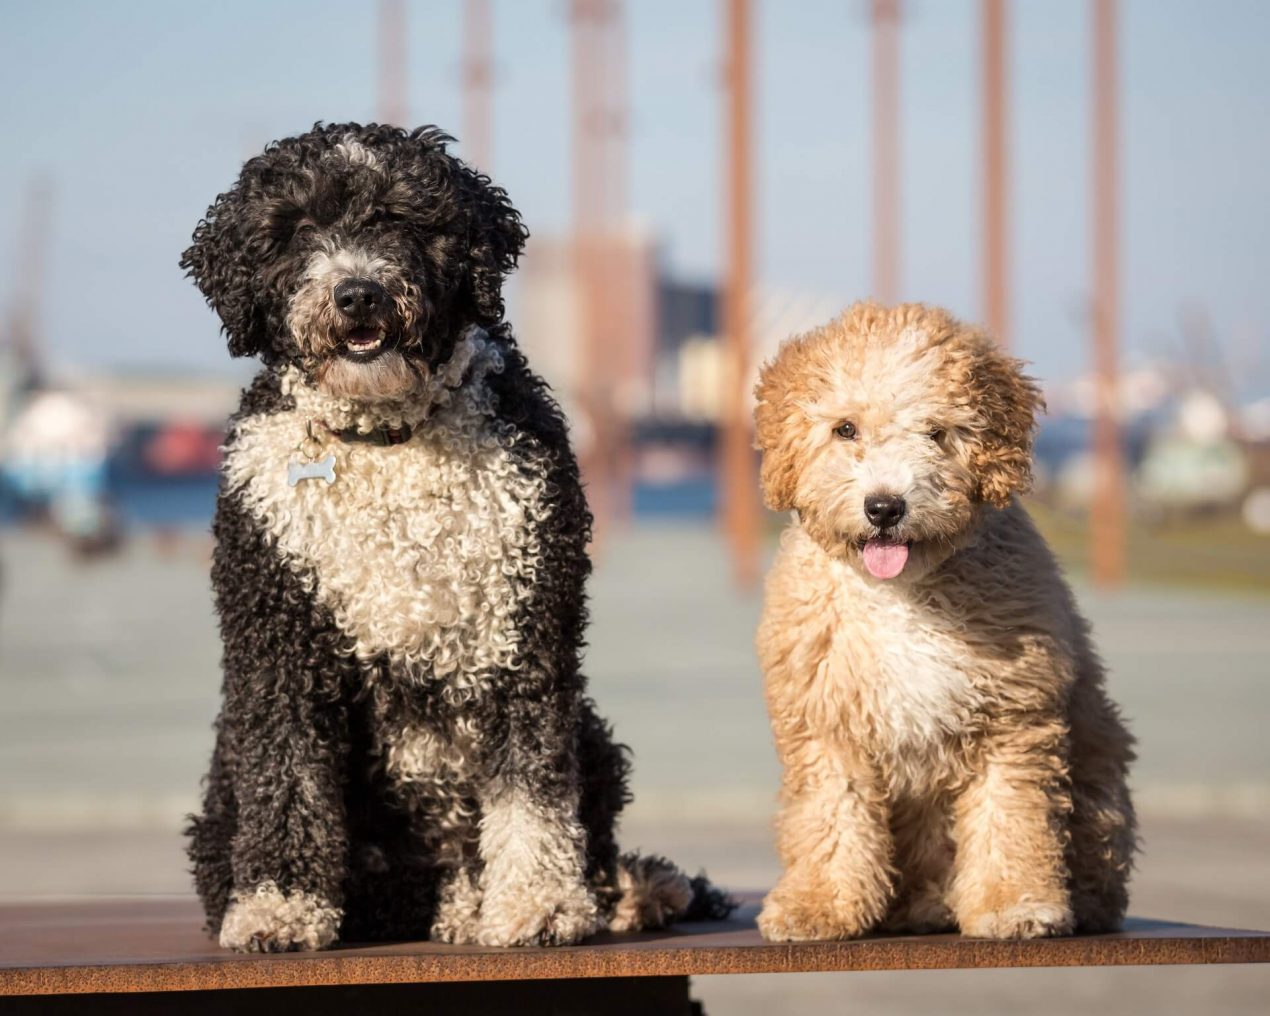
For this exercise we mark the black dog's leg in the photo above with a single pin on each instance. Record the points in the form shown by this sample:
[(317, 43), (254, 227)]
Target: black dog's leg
[(532, 842), (605, 772), (211, 837), (284, 743)]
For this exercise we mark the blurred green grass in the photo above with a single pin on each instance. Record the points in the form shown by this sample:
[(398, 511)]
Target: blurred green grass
[(1211, 552)]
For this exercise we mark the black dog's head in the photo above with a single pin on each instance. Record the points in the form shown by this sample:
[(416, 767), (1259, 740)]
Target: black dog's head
[(359, 254)]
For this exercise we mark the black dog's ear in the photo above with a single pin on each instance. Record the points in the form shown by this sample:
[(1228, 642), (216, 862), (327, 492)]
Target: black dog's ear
[(218, 263), (495, 237)]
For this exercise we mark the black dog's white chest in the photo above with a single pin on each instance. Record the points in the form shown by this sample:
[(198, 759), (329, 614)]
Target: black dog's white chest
[(420, 550)]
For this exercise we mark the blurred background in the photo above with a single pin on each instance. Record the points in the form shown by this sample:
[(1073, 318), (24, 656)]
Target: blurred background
[(702, 178)]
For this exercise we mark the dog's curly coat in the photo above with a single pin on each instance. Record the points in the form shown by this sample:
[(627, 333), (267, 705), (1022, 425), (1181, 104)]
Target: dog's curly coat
[(950, 756), (405, 747)]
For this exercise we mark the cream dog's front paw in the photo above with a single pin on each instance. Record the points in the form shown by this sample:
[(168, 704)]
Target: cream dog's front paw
[(1021, 920), (807, 915)]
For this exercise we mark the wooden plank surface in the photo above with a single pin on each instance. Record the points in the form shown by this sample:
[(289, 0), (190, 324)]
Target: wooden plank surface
[(156, 944)]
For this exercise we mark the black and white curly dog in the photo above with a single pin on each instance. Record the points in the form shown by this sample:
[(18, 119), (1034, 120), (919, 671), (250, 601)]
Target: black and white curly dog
[(405, 746)]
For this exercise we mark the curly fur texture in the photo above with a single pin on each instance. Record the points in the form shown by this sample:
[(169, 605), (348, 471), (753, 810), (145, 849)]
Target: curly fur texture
[(268, 920), (950, 756), (378, 191), (405, 747)]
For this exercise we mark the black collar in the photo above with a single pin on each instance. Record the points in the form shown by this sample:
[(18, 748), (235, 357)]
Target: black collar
[(382, 435)]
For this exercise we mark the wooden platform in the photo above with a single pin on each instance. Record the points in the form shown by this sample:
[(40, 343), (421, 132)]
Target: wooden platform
[(155, 945)]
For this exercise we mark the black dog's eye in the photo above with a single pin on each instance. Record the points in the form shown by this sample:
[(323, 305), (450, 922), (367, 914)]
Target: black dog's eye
[(381, 216), (845, 430), (302, 232)]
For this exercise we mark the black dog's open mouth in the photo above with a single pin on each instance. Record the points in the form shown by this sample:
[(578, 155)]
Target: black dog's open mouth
[(363, 343)]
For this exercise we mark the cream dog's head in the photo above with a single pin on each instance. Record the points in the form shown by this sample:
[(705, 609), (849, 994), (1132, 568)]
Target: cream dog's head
[(890, 431)]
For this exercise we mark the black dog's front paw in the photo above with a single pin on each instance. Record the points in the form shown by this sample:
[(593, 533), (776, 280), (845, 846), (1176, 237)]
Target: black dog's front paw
[(534, 914), (265, 919)]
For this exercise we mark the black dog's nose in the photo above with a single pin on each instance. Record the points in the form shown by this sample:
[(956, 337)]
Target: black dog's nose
[(884, 510), (359, 298)]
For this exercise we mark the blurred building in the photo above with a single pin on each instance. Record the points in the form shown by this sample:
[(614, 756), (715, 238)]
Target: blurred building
[(101, 452), (646, 398), (142, 397), (550, 312), (660, 341)]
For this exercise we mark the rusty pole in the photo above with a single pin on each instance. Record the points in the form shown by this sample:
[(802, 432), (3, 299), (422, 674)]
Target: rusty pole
[(738, 488), (886, 150), (616, 283), (392, 63), (616, 112), (996, 292), (1107, 514), (586, 18), (478, 131), (23, 326)]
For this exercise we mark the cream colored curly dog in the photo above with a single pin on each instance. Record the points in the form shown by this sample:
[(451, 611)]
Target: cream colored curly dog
[(950, 754)]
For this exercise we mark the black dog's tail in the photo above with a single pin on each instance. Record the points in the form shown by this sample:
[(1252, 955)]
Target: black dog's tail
[(637, 891), (652, 892), (709, 902)]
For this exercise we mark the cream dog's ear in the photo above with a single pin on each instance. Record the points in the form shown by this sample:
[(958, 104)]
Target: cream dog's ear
[(772, 426), (1006, 403)]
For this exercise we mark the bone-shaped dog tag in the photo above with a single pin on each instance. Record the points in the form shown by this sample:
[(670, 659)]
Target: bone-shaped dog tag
[(322, 469)]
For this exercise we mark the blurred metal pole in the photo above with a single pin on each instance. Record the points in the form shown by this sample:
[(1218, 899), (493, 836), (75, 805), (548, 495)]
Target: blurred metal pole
[(738, 489), (886, 150), (478, 119), (393, 107), (618, 284), (996, 284), (23, 326), (617, 113), (1107, 511), (586, 19)]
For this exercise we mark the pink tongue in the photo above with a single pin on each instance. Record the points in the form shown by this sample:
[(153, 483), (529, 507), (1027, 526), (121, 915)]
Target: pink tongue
[(884, 559)]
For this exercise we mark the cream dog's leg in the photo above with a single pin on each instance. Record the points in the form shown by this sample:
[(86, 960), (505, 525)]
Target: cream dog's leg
[(1011, 878), (835, 843)]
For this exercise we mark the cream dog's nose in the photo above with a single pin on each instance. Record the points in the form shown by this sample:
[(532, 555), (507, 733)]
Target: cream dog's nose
[(884, 510)]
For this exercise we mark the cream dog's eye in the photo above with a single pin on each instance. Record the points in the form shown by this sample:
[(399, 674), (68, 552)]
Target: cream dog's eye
[(938, 434), (845, 430)]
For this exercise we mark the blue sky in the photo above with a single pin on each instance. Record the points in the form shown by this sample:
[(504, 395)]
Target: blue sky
[(141, 111)]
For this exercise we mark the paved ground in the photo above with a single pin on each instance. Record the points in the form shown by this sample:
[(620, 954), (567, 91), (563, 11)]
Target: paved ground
[(109, 681)]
